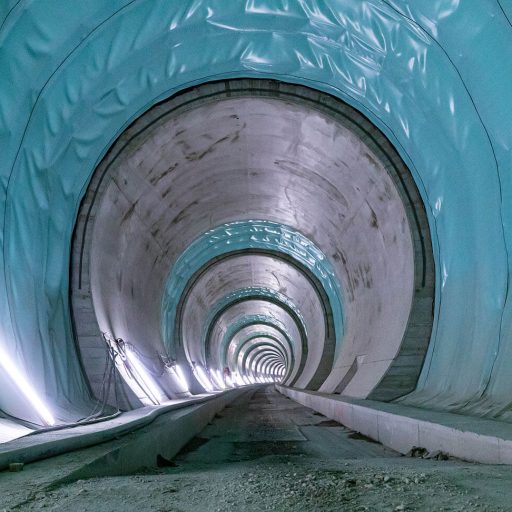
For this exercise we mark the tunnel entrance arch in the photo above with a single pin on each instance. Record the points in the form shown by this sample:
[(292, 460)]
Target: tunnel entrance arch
[(96, 306)]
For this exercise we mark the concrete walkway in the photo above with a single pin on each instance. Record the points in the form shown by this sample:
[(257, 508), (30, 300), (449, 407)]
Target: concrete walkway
[(267, 452), (404, 428), (269, 425)]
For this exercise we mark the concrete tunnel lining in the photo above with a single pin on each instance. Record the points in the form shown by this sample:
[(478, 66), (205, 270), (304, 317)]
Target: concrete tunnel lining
[(40, 148), (279, 241), (270, 269), (247, 294), (256, 360), (243, 341), (262, 348), (133, 188), (270, 325), (107, 84), (258, 312)]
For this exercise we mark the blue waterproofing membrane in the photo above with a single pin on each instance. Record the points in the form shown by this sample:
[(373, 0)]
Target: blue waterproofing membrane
[(245, 235), (245, 293), (433, 75)]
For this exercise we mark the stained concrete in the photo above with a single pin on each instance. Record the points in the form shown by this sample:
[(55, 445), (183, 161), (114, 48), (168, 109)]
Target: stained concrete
[(284, 154), (267, 452)]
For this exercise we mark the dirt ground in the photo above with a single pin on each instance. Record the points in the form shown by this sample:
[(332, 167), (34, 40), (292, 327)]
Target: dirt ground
[(266, 452)]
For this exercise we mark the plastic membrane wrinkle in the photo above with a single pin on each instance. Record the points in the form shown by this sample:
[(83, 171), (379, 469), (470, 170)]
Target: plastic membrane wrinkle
[(362, 101)]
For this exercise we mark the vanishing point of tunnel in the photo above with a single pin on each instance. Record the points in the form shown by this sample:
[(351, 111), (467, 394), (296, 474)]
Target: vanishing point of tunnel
[(255, 255)]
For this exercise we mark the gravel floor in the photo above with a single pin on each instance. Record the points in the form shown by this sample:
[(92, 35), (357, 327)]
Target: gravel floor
[(267, 452)]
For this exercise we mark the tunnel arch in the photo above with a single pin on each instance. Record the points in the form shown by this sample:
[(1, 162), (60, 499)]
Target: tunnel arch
[(259, 322), (333, 322), (40, 148), (263, 335), (257, 349), (206, 250), (248, 294), (256, 357), (269, 319)]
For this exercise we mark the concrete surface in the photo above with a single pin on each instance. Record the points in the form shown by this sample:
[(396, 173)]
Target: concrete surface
[(267, 453), (223, 153), (402, 427), (178, 414)]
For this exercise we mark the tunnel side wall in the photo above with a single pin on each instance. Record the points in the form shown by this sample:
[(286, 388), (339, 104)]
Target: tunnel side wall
[(73, 79)]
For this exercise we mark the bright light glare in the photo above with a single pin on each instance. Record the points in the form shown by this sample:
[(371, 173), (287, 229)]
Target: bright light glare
[(149, 386), (223, 385), (181, 377), (25, 387), (203, 379), (238, 379), (229, 381), (217, 378)]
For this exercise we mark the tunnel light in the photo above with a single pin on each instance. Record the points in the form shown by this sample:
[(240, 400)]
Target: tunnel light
[(25, 387), (238, 379), (223, 384), (229, 381), (181, 377), (203, 379), (225, 380), (217, 379), (146, 382)]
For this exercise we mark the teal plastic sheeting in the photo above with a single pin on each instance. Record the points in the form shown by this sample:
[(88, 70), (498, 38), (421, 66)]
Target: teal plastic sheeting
[(234, 237), (248, 320), (433, 75), (252, 293)]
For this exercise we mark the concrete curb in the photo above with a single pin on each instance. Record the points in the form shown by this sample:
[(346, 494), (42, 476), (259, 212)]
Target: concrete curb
[(402, 428), (48, 444)]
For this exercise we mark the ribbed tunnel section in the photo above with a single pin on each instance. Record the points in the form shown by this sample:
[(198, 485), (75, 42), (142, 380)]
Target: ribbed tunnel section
[(252, 230), (200, 197), (340, 147)]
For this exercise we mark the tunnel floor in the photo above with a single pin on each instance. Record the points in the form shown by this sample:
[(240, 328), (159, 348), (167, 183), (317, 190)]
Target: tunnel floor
[(266, 452)]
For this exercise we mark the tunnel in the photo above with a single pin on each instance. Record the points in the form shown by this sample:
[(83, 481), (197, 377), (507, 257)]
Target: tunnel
[(270, 207)]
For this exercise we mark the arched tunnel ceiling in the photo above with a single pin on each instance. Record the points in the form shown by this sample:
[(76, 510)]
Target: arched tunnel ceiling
[(78, 86), (237, 184)]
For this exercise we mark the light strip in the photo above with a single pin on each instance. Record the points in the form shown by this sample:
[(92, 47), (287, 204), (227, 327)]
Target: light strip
[(24, 386), (203, 379), (181, 377), (150, 387), (217, 378)]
